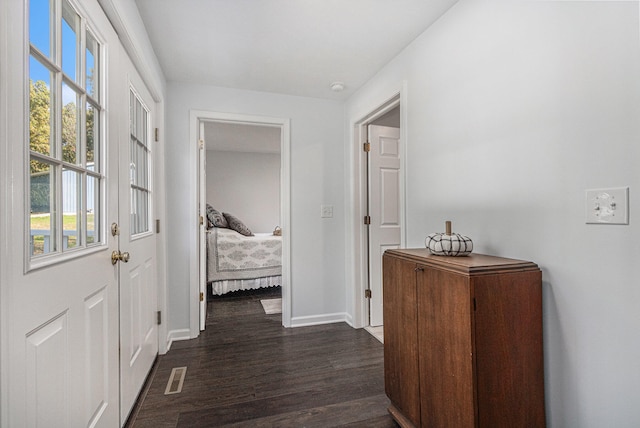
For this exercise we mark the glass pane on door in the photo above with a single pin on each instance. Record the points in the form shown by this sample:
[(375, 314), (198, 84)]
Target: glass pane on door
[(71, 208), (93, 207), (42, 219), (70, 31), (92, 67), (40, 108), (40, 25), (92, 137), (70, 128)]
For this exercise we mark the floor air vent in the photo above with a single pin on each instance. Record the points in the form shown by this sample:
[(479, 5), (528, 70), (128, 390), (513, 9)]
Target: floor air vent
[(174, 386)]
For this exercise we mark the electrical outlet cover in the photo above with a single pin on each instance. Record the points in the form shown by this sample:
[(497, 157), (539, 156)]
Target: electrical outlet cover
[(607, 206), (326, 211)]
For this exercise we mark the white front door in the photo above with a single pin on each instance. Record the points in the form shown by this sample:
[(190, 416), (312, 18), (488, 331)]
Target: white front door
[(138, 289), (59, 336), (384, 208)]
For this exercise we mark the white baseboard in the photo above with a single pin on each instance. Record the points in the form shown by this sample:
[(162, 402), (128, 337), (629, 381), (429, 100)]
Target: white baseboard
[(175, 335), (349, 320), (318, 319)]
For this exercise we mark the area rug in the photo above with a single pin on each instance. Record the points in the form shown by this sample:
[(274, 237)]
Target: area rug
[(272, 306)]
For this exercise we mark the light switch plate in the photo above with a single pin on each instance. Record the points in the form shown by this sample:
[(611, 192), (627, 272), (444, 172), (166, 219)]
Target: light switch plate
[(326, 211), (607, 206)]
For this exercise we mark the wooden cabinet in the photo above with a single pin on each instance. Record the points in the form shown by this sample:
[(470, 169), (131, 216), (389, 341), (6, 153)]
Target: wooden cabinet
[(463, 340)]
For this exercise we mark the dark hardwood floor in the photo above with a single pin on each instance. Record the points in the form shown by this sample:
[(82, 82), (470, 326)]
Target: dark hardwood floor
[(246, 370)]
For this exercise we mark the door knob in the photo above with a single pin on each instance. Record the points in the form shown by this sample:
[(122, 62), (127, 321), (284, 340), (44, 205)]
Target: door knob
[(117, 256)]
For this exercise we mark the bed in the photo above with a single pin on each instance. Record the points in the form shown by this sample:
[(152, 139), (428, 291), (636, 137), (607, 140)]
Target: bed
[(237, 262)]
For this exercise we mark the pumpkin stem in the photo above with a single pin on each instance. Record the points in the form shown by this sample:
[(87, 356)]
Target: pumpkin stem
[(447, 225)]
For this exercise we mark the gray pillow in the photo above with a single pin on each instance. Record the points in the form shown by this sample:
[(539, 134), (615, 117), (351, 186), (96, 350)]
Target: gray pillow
[(215, 218), (237, 225)]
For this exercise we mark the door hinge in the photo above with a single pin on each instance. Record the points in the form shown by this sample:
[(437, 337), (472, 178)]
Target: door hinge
[(201, 144), (367, 219), (157, 225), (157, 135), (367, 147), (367, 293), (201, 220), (201, 296), (159, 319), (115, 229)]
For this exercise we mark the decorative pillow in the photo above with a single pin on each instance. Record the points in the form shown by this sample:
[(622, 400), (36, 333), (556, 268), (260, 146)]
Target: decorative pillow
[(237, 225), (215, 218)]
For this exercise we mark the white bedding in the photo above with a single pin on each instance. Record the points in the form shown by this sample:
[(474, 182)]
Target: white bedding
[(236, 258), (219, 288)]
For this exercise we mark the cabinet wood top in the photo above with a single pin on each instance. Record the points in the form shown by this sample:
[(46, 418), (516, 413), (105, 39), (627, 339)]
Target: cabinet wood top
[(471, 264)]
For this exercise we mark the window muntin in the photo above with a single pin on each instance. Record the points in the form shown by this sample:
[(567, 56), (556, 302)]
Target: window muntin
[(65, 144), (139, 168)]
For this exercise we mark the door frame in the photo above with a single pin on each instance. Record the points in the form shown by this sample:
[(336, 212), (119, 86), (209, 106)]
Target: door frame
[(357, 245), (13, 62), (202, 229), (197, 116)]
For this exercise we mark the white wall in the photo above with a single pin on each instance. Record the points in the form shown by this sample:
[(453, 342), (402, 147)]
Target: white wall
[(513, 110), (317, 171), (246, 185)]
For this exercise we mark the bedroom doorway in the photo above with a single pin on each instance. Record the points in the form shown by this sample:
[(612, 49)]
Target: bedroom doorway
[(258, 149)]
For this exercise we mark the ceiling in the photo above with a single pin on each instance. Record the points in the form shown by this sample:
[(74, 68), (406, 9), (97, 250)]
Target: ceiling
[(294, 47)]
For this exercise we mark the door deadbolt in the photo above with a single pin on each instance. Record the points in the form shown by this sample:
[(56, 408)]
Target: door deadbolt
[(117, 256)]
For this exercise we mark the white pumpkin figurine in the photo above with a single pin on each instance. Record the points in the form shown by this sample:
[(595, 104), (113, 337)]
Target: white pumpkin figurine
[(448, 244)]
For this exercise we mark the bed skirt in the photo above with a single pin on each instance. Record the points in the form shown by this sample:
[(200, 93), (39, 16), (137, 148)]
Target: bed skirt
[(219, 288)]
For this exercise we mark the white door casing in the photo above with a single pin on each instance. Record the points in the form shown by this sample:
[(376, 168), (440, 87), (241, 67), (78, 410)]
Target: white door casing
[(138, 290), (202, 232), (59, 313), (384, 207), (196, 118)]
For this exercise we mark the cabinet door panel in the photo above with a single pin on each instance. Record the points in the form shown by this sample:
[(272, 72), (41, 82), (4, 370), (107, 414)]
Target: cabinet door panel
[(510, 374), (445, 349), (401, 376)]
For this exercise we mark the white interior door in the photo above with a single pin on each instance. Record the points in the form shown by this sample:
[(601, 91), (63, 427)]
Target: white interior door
[(384, 208), (138, 292), (202, 235), (60, 300)]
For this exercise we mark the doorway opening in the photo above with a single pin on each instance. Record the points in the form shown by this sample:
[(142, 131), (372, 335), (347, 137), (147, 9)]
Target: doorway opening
[(379, 183), (260, 147)]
